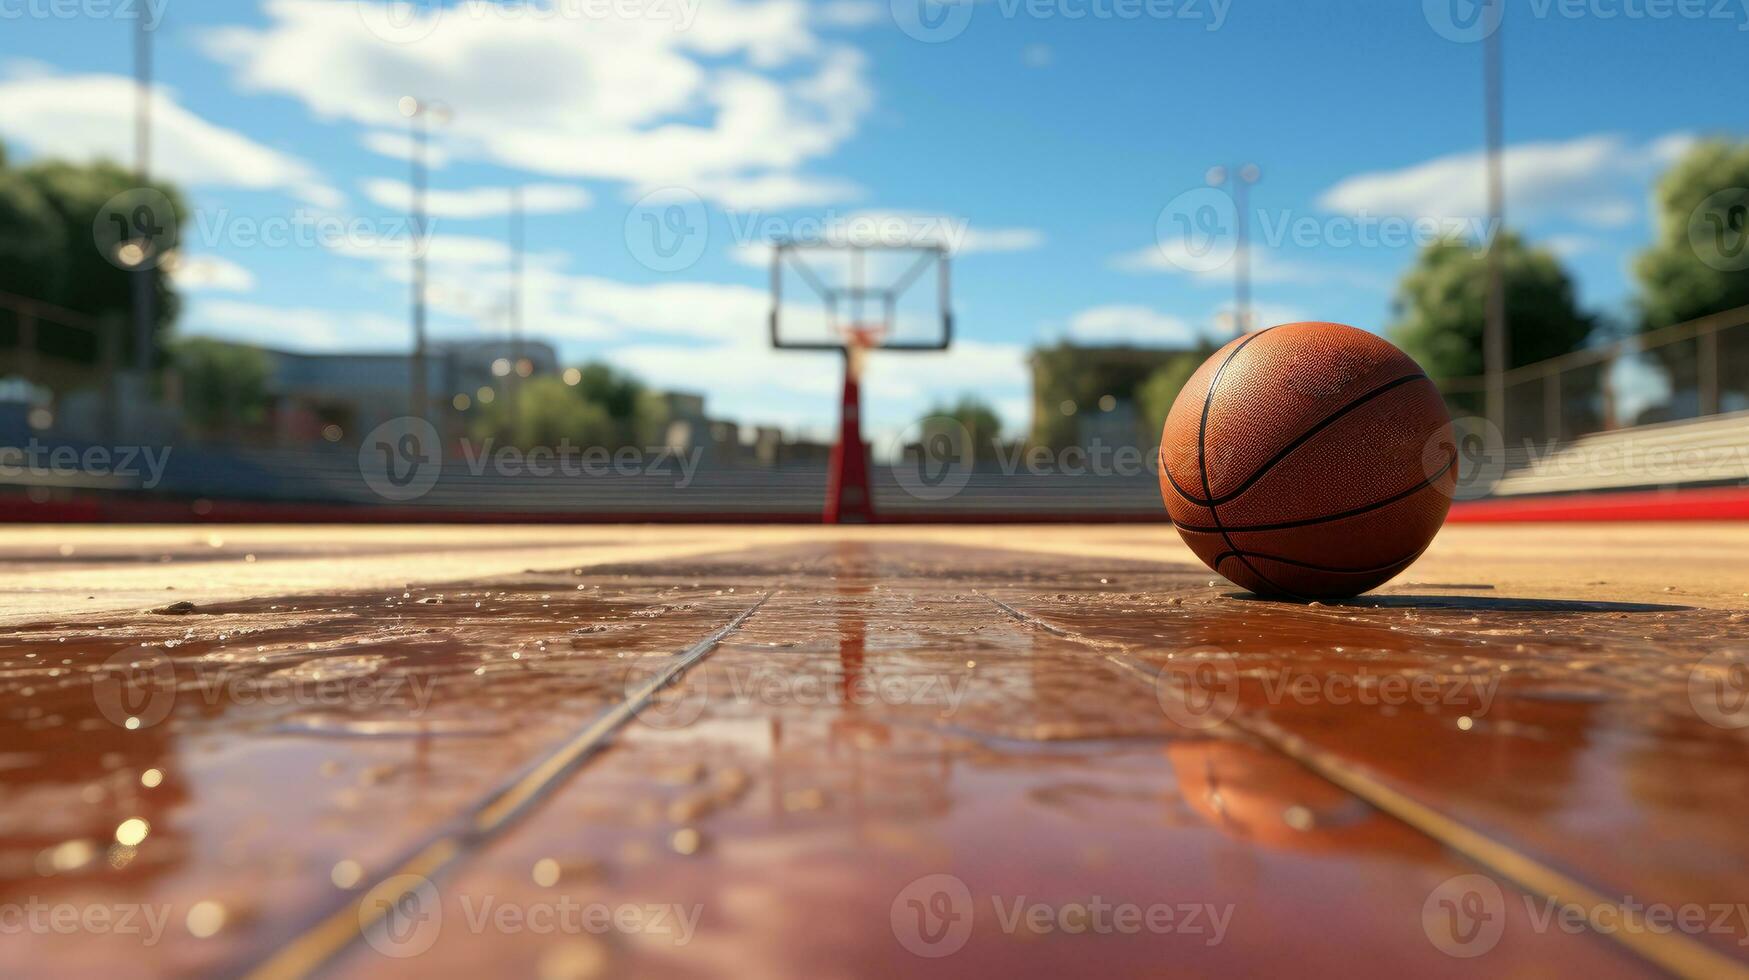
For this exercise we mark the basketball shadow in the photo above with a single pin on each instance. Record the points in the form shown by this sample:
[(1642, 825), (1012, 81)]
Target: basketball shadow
[(1466, 603)]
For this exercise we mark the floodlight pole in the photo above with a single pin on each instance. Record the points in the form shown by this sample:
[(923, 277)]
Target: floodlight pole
[(418, 113), (144, 290), (1494, 321), (513, 388)]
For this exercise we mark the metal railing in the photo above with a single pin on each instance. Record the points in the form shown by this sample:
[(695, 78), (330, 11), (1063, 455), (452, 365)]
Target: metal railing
[(1684, 371)]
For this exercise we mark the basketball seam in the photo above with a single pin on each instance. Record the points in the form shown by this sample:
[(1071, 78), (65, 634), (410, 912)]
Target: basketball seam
[(1208, 402), (1309, 521), (1287, 450), (1223, 556)]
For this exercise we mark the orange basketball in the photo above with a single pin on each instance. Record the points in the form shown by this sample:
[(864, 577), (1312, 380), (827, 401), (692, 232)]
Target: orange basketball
[(1308, 461)]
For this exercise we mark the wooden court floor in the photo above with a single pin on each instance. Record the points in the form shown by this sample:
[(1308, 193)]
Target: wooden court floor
[(993, 751)]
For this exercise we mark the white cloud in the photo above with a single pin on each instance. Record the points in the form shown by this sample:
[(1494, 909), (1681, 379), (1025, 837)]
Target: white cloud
[(1130, 324), (776, 191), (1585, 176), (296, 328), (86, 117), (209, 273), (1267, 267), (746, 89), (479, 202), (401, 147), (1036, 56)]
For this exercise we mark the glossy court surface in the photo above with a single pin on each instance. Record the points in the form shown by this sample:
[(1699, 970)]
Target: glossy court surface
[(724, 752)]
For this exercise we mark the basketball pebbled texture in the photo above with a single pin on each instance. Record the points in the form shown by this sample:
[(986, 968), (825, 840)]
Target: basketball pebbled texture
[(1308, 461)]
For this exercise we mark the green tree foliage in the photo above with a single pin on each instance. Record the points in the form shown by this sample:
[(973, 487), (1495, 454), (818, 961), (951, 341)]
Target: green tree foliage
[(224, 386), (32, 240), (1155, 395), (1704, 194), (977, 418), (1441, 303), (605, 408), (49, 252), (1077, 377)]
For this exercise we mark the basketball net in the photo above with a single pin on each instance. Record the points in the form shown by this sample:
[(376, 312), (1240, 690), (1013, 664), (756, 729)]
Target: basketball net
[(859, 339)]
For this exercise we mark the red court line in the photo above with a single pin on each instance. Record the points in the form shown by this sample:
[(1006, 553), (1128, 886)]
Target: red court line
[(1694, 504)]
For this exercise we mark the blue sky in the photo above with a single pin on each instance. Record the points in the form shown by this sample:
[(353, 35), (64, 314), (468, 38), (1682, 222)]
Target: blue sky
[(1049, 140)]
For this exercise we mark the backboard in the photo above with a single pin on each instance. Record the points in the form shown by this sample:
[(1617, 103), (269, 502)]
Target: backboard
[(822, 291)]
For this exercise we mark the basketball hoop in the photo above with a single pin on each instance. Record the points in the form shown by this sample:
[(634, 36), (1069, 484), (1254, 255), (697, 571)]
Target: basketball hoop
[(859, 339)]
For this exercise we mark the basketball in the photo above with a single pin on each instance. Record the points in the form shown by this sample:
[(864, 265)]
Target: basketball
[(1308, 461)]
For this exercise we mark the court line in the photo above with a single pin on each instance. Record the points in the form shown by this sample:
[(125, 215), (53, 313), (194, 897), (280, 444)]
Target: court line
[(327, 939), (1675, 952)]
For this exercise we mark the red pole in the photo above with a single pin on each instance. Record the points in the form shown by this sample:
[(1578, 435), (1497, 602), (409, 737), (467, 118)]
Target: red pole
[(848, 499)]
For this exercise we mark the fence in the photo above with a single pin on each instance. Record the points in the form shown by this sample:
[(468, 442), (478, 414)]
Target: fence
[(1685, 371)]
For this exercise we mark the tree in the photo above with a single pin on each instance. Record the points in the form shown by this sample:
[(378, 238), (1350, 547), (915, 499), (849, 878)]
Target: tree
[(1441, 303), (224, 386), (605, 408), (1697, 264), (977, 418), (48, 213), (32, 240)]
